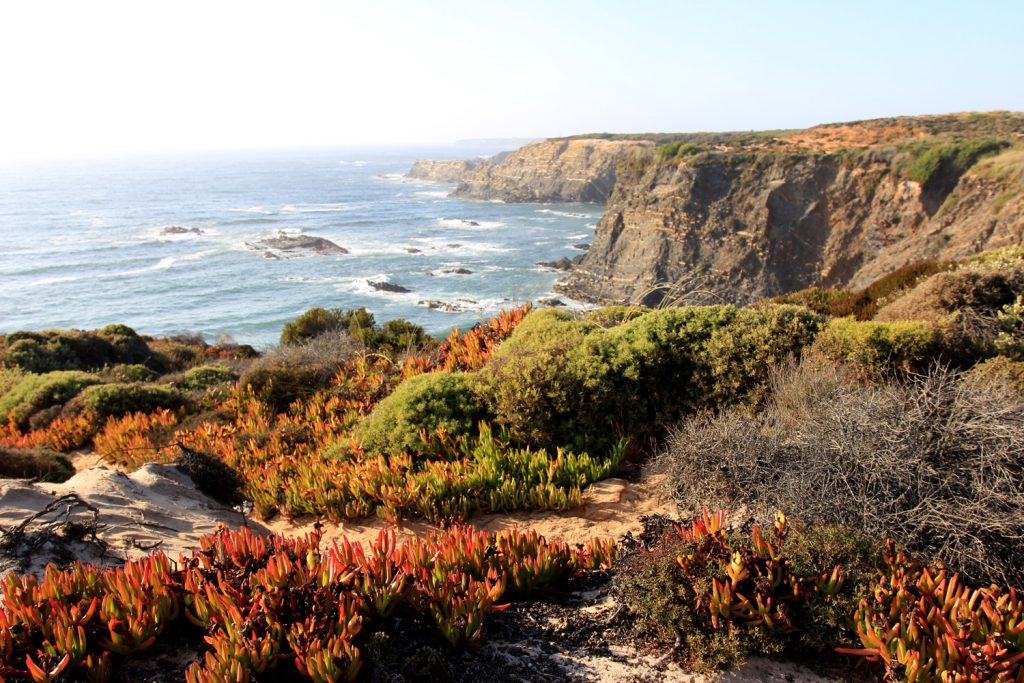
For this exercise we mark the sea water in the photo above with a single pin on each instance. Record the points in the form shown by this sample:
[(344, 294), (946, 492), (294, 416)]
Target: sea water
[(85, 244)]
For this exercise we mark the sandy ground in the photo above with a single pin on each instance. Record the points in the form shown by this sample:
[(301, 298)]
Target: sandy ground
[(611, 508), (155, 507)]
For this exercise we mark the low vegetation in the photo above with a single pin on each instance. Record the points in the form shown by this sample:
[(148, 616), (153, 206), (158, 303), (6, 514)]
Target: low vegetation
[(892, 413)]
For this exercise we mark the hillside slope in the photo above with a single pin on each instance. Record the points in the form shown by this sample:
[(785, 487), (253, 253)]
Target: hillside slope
[(713, 217)]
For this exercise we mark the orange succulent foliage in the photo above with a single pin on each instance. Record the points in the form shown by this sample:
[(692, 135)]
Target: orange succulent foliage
[(63, 434), (269, 602)]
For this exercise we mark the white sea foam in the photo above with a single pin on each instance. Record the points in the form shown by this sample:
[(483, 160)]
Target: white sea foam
[(253, 209), (55, 280), (316, 208), (581, 236), (357, 162), (437, 194), (564, 214), (443, 244), (468, 223)]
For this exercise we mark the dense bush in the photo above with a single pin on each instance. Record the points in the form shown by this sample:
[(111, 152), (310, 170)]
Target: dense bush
[(114, 400), (36, 393), (739, 356), (395, 335), (932, 461), (724, 594), (571, 382), (425, 402), (128, 373), (42, 464), (53, 350), (876, 348), (204, 377), (290, 372)]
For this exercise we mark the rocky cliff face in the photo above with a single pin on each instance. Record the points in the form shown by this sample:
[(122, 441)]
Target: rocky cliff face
[(837, 206), (570, 170), (440, 171)]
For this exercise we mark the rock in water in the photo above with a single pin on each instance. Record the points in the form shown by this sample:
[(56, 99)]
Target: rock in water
[(582, 246), (458, 271), (561, 264), (180, 230), (290, 246), (388, 287)]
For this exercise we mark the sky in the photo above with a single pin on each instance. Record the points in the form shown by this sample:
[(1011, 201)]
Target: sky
[(101, 78)]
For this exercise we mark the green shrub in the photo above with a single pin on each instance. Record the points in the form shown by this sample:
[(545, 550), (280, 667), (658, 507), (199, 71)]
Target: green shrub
[(422, 402), (35, 393), (677, 149), (565, 382), (128, 373), (401, 335), (317, 321), (613, 316), (738, 358), (114, 400), (34, 463), (876, 347), (939, 167), (530, 385), (204, 377), (836, 303), (53, 350)]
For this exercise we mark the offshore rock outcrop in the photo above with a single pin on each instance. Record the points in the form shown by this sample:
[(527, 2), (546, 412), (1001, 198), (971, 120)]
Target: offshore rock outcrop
[(441, 170), (834, 206), (561, 170)]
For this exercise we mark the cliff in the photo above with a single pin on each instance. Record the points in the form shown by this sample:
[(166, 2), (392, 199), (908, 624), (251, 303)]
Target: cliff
[(440, 171), (570, 170), (718, 217)]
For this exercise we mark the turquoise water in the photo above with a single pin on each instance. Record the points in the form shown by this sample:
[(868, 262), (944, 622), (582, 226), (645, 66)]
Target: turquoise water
[(82, 243)]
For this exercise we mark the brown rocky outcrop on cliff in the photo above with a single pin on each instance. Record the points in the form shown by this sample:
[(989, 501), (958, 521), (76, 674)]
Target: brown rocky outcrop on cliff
[(834, 206), (441, 170), (569, 170)]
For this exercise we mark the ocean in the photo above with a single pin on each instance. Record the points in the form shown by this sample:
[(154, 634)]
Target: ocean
[(87, 244)]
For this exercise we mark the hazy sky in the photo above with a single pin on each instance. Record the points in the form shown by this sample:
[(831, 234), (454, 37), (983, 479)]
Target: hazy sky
[(88, 77)]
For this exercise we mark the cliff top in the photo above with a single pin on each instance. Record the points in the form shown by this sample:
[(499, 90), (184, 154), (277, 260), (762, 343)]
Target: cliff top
[(832, 137)]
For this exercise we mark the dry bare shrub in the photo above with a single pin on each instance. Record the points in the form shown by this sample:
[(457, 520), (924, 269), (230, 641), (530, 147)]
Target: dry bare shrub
[(288, 372), (964, 304), (935, 462)]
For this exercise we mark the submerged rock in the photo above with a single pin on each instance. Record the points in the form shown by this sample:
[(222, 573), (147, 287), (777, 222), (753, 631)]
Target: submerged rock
[(582, 246), (412, 250), (457, 271)]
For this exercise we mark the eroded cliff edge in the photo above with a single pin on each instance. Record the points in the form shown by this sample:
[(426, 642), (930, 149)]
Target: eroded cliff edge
[(570, 170), (739, 217), (441, 170)]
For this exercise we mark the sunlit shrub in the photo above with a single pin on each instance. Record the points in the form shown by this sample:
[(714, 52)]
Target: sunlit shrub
[(114, 400), (876, 347), (35, 393), (438, 400), (205, 377)]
